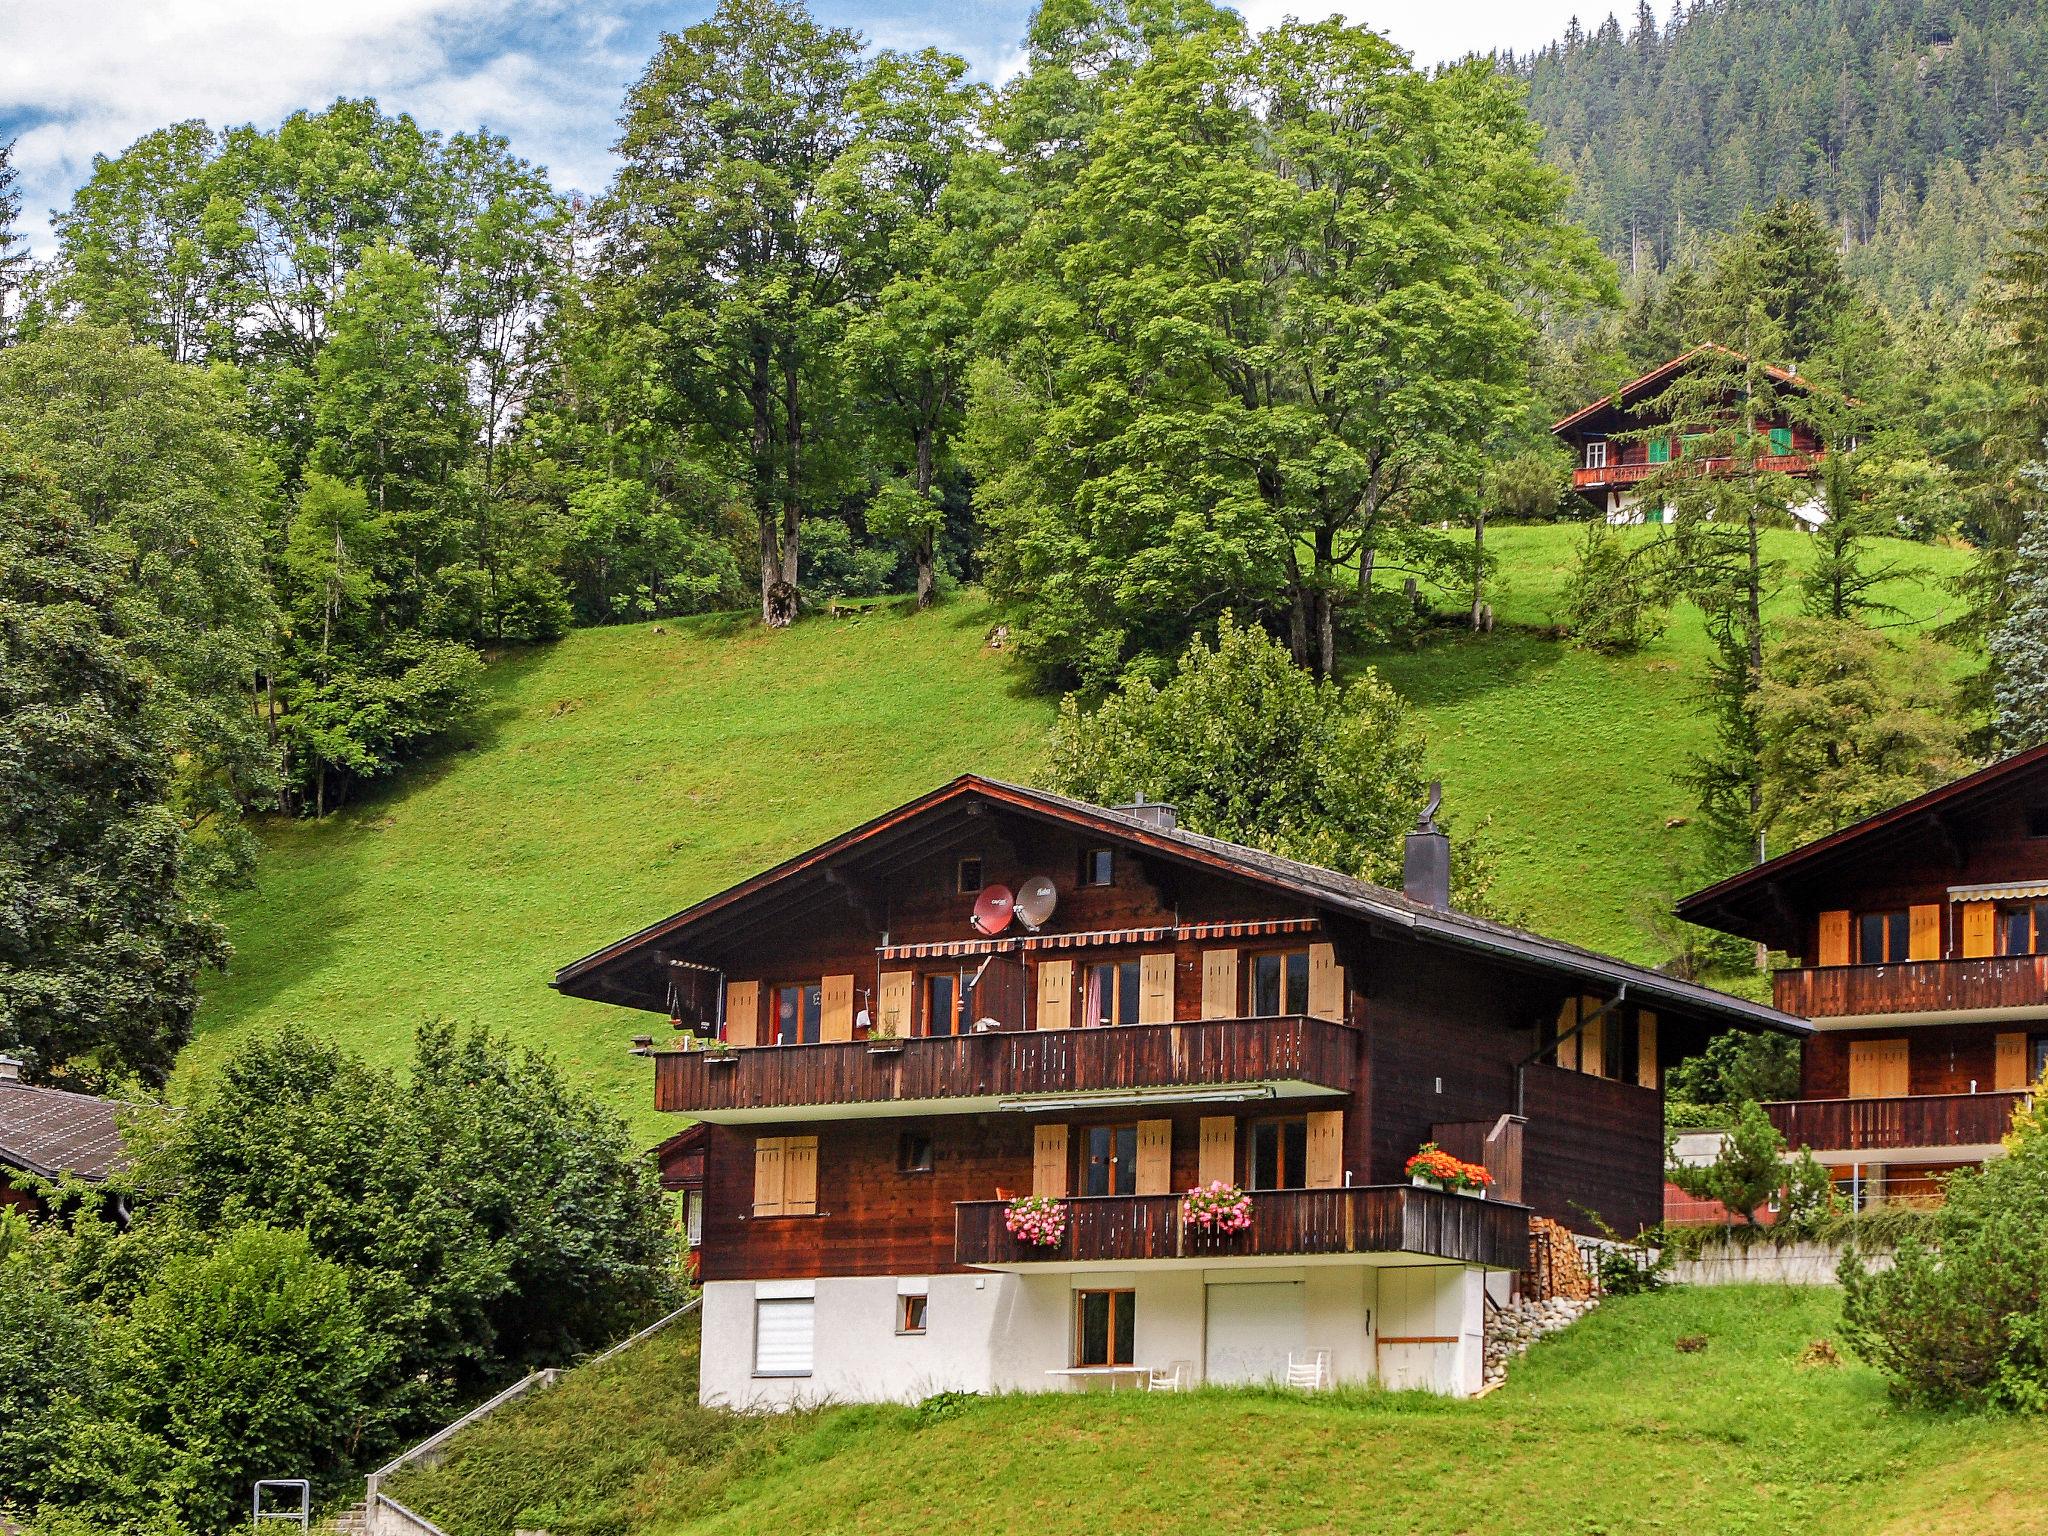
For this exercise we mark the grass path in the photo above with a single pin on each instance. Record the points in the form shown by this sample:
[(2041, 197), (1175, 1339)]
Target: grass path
[(622, 773), (1606, 1429)]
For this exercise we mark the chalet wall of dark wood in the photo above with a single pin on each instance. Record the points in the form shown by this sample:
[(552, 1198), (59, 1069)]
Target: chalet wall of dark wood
[(1876, 1125), (1593, 1146)]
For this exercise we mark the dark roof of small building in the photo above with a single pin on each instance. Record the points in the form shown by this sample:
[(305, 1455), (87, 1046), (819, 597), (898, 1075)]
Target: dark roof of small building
[(49, 1132), (1722, 904), (1342, 893), (1660, 376)]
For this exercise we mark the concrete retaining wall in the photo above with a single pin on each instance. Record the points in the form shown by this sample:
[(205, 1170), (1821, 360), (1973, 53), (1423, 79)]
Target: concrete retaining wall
[(1768, 1264)]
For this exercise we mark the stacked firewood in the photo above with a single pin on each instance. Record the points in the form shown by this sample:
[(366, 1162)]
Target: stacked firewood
[(1555, 1268)]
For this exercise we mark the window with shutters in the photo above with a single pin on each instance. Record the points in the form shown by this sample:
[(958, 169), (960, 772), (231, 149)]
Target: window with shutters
[(1105, 1327), (1279, 983), (1781, 439), (1277, 1154), (799, 1014), (1660, 450), (1109, 1156), (784, 1331), (785, 1175), (910, 1314), (1113, 993), (2023, 930), (1883, 938), (1098, 866)]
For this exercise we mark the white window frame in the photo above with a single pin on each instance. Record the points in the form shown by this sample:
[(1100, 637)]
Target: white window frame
[(1596, 453)]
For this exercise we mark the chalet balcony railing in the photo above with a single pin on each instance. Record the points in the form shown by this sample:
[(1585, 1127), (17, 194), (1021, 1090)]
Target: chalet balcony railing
[(1010, 1063), (1631, 474), (1913, 986), (1380, 1218), (1878, 1125)]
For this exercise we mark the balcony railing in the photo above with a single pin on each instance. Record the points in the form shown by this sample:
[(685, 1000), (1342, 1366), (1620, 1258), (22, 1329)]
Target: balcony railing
[(1290, 1051), (1631, 474), (1381, 1218), (1877, 1125), (1913, 986)]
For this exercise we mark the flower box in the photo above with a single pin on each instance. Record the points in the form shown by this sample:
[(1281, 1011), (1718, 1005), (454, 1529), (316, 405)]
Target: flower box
[(1216, 1209), (886, 1046), (1037, 1221), (1434, 1168)]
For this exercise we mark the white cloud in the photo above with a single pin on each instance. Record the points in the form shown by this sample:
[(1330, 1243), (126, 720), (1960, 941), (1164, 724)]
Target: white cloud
[(1438, 30)]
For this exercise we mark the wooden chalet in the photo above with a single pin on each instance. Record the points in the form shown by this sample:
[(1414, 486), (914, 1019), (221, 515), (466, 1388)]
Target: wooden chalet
[(881, 1053), (1609, 462), (47, 1134), (1920, 946)]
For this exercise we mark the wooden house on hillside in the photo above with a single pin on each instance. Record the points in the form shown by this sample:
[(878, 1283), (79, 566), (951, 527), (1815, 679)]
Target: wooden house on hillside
[(995, 992), (47, 1134), (1610, 461), (1920, 941)]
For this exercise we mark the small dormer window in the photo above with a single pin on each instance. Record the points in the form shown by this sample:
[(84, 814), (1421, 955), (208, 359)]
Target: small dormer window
[(2037, 822), (1098, 867), (968, 875)]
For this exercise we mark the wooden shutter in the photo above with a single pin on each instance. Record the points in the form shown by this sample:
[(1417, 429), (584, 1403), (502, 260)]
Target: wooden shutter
[(768, 1175), (1155, 1157), (2009, 1070), (835, 1010), (1593, 1039), (1155, 989), (1049, 1160), (1646, 1049), (1055, 994), (742, 1012), (1326, 1149), (799, 1175), (1877, 1069), (1923, 940), (892, 1010), (1834, 939), (1219, 983), (1567, 1021), (1325, 983), (1219, 1150), (1980, 929)]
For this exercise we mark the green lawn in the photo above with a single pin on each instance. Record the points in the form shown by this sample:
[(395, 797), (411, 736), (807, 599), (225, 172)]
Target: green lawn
[(1605, 1429), (623, 773)]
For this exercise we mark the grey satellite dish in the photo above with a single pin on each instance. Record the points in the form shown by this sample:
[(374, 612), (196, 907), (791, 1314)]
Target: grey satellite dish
[(1036, 898)]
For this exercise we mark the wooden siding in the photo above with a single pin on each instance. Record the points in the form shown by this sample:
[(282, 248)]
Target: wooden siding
[(1191, 1053), (1913, 986), (1496, 1145), (1875, 1125), (1594, 1147), (1365, 1219)]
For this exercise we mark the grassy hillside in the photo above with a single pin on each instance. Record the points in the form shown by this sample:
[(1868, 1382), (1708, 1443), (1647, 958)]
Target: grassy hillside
[(1608, 1428), (623, 773)]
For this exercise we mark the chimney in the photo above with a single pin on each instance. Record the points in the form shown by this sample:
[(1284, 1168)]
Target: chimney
[(10, 1069), (1164, 817), (1426, 863)]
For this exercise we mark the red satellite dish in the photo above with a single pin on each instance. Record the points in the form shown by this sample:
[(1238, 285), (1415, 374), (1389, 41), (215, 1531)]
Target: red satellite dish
[(993, 909)]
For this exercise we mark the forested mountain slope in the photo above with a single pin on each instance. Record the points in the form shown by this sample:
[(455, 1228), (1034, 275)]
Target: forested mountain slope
[(1906, 121)]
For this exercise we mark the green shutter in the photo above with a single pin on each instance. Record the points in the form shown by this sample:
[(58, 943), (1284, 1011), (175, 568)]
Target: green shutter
[(1660, 450), (1781, 439)]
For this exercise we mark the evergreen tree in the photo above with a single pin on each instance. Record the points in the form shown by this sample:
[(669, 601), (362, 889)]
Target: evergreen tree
[(13, 252), (101, 942), (2019, 647)]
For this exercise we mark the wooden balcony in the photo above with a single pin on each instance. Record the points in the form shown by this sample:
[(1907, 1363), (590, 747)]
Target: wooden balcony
[(1878, 1125), (1609, 475), (1951, 989), (1290, 1055), (1365, 1219)]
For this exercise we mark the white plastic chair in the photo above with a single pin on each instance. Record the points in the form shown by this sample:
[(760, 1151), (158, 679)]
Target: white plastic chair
[(1309, 1371), (1172, 1379)]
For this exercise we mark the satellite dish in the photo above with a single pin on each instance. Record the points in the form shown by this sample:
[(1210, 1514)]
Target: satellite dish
[(992, 909), (1036, 898)]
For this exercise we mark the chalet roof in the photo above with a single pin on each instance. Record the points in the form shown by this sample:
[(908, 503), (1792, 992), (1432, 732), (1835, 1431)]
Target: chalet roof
[(49, 1132), (1655, 380), (1743, 903), (1385, 909)]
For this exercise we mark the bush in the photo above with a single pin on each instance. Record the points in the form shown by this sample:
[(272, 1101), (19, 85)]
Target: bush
[(1962, 1317), (1751, 1171), (46, 1379)]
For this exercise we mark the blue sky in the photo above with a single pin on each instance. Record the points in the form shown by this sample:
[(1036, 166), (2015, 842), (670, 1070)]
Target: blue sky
[(86, 77)]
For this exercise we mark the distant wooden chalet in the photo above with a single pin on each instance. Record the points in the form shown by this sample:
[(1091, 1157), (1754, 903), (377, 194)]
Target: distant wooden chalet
[(46, 1134), (1921, 941), (993, 992), (1610, 462)]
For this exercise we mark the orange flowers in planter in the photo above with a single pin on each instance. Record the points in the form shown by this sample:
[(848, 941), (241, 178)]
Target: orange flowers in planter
[(1433, 1165)]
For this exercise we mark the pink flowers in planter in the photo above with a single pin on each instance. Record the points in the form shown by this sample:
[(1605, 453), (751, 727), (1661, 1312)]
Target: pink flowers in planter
[(1037, 1219), (1218, 1209)]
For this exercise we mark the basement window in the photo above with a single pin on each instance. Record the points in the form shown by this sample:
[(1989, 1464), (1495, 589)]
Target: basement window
[(910, 1312)]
